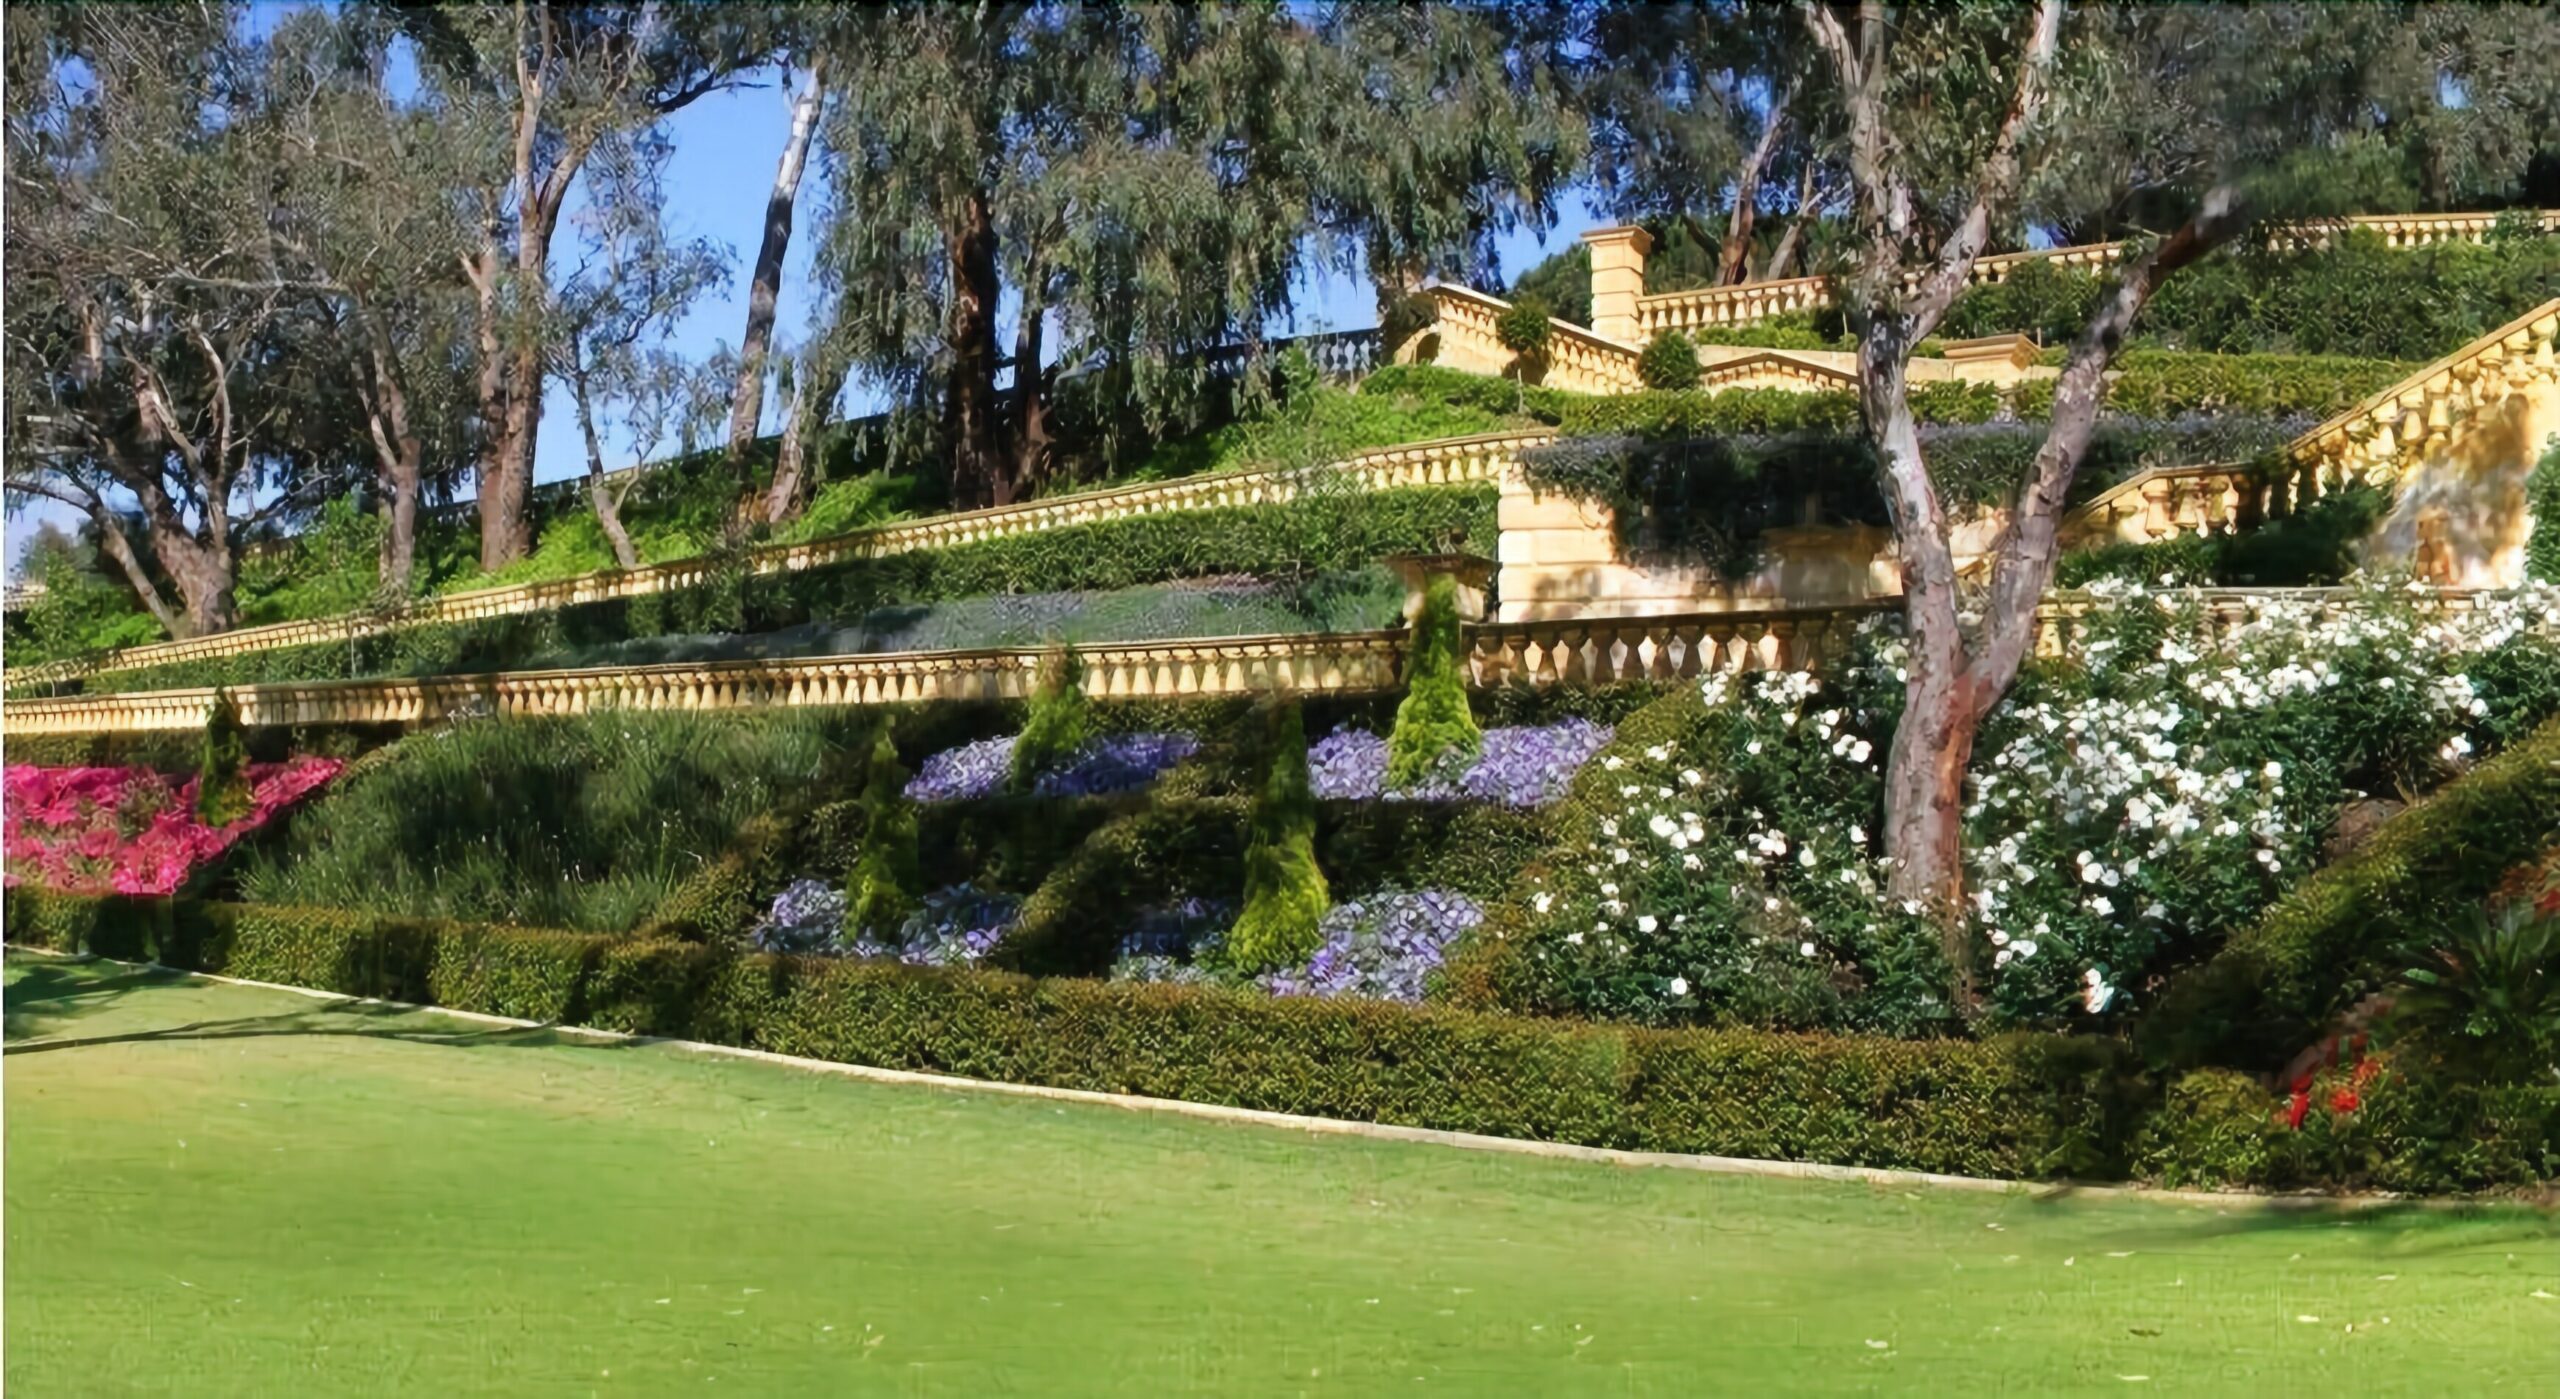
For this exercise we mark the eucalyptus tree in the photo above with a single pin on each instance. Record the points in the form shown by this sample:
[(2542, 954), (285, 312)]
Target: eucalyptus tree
[(764, 287), (363, 221), (611, 313), (1116, 172), (157, 372), (1965, 126), (1434, 129), (1694, 110), (550, 84)]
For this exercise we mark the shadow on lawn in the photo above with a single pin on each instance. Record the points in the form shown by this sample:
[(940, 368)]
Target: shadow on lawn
[(2398, 1228), (44, 999)]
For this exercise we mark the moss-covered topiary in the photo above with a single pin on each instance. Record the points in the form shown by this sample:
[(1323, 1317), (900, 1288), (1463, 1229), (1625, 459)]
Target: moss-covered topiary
[(1061, 720), (1669, 361), (881, 890), (1285, 896), (1433, 725), (222, 779)]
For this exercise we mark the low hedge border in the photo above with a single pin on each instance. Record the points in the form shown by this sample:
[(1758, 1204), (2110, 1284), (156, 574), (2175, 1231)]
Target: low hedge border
[(2022, 1106), (2275, 986), (1351, 530)]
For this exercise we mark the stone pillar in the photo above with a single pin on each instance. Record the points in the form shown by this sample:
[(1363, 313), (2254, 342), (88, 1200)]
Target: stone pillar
[(1617, 279)]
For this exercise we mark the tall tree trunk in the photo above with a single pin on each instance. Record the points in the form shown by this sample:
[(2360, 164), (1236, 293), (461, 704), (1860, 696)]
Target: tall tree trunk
[(1734, 263), (1032, 439), (205, 571), (497, 417), (599, 495), (813, 405), (1782, 259), (399, 456), (111, 537), (979, 473), (746, 404)]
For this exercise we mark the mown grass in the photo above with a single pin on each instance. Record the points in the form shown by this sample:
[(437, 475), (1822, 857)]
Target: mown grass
[(218, 1190)]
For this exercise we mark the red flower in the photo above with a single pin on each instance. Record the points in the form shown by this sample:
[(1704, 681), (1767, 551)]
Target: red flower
[(2366, 1071), (2344, 1101), (2298, 1109)]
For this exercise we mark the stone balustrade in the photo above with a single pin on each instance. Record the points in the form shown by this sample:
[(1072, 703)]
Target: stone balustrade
[(2377, 439), (2221, 612), (1448, 461), (1708, 308), (1574, 652), (2376, 442), (1464, 337)]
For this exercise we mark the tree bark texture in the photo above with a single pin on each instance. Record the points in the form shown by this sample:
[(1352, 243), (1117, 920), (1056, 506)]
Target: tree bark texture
[(746, 404), (980, 474)]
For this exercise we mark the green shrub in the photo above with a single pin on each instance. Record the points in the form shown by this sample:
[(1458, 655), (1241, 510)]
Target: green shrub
[(1072, 923), (884, 884), (1433, 726), (1524, 328), (222, 779), (724, 899), (2357, 297), (2316, 546), (2486, 996), (2274, 986), (1060, 724), (2403, 1125), (2542, 498), (1669, 361), (1285, 896)]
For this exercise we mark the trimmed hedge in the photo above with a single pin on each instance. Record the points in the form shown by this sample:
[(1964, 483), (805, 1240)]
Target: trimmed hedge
[(2018, 1106), (2542, 498), (2421, 1133), (1326, 532), (2275, 986)]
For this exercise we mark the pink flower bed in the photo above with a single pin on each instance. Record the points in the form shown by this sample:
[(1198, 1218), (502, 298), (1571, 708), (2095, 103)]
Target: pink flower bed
[(127, 830)]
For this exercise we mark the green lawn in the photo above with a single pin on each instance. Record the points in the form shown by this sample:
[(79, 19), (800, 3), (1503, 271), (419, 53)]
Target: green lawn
[(218, 1190)]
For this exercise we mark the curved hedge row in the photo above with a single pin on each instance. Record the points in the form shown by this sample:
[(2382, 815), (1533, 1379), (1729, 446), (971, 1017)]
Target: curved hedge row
[(2015, 1107)]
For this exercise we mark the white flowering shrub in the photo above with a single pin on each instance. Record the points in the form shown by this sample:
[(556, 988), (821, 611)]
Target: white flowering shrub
[(1736, 879), (2126, 811)]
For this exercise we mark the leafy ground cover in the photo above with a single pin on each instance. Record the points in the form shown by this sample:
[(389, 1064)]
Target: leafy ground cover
[(221, 1190)]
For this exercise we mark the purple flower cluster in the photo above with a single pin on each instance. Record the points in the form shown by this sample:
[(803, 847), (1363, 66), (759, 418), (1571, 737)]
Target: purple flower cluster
[(970, 770), (807, 917), (957, 927), (1117, 763), (1383, 947), (1519, 766), (1178, 929), (1114, 763)]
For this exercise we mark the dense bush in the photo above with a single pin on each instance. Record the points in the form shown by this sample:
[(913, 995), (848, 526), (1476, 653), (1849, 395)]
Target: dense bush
[(2542, 498), (2382, 1125), (1669, 361), (2315, 546), (2337, 936), (222, 781), (2358, 297), (2165, 383), (1434, 729), (2019, 1106), (886, 878), (587, 822), (1285, 896), (1060, 722), (1325, 532)]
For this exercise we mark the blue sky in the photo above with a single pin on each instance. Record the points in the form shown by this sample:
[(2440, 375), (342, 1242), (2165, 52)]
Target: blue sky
[(725, 148)]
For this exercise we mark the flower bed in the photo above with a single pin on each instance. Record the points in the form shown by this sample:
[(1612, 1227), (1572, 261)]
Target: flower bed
[(1518, 766), (98, 830), (956, 927), (1115, 763), (1385, 947), (2124, 812)]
